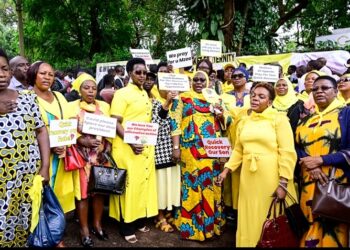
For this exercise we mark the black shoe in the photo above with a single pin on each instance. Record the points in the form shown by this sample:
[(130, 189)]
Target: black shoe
[(101, 235), (87, 242)]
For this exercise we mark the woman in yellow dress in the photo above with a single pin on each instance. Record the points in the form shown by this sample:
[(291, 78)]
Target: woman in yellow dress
[(92, 148), (344, 89), (267, 161), (193, 118), (322, 143), (53, 106), (139, 200)]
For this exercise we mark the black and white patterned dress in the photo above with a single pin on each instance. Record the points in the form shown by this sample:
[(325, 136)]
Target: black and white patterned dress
[(19, 162)]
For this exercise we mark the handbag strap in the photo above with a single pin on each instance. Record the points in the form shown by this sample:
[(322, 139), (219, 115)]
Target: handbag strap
[(59, 104), (111, 160)]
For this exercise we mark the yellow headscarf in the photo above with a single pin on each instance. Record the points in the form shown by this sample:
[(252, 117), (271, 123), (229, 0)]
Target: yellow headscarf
[(79, 81), (282, 103), (194, 93), (340, 96)]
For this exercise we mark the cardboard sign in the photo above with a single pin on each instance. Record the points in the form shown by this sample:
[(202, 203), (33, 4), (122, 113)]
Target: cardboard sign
[(180, 58), (141, 133), (173, 82), (99, 125), (217, 147), (265, 73), (210, 95), (142, 53), (211, 48), (63, 132)]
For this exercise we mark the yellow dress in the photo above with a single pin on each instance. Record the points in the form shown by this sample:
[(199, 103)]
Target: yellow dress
[(264, 157), (227, 87), (319, 136), (61, 181), (140, 197)]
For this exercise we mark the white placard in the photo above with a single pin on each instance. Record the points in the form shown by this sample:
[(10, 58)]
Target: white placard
[(217, 147), (142, 53), (180, 58), (211, 48), (99, 125), (141, 133), (63, 132), (265, 73), (174, 82)]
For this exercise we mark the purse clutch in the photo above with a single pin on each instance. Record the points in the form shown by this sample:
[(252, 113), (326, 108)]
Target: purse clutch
[(332, 200), (107, 180), (73, 159)]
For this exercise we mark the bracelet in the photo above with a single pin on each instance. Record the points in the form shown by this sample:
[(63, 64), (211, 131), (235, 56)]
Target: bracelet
[(283, 187), (283, 181)]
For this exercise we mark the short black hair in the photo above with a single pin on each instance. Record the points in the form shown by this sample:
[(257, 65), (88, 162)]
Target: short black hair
[(133, 61), (32, 72), (3, 54), (293, 67), (266, 85), (162, 64), (207, 61), (329, 78), (108, 80), (118, 68)]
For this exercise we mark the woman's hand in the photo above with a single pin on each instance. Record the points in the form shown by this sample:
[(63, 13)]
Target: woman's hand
[(8, 106), (317, 174), (222, 176), (137, 148), (44, 172), (281, 192), (59, 150), (219, 111), (169, 99), (176, 155), (89, 142), (311, 162)]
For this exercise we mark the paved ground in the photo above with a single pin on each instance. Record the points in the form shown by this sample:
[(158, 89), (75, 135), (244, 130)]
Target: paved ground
[(154, 238)]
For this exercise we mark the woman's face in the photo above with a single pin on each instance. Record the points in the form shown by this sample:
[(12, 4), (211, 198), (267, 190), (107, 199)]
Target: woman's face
[(238, 78), (344, 84), (5, 74), (199, 82), (228, 74), (281, 88), (309, 81), (324, 93), (260, 99), (148, 85), (138, 75), (44, 77), (203, 66), (88, 91)]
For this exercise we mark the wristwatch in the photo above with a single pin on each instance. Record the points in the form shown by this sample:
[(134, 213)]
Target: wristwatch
[(176, 147)]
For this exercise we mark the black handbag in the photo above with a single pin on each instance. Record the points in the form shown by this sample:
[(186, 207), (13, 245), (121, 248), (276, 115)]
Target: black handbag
[(107, 180), (332, 200)]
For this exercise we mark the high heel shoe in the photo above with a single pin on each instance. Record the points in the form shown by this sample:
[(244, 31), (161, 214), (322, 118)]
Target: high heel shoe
[(101, 235), (87, 241)]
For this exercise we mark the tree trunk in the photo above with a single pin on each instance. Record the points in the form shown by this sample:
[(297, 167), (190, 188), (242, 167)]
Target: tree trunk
[(228, 27), (19, 11), (95, 31)]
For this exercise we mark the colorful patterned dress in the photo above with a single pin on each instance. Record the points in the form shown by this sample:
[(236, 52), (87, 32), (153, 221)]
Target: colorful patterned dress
[(201, 214), (19, 163), (320, 136)]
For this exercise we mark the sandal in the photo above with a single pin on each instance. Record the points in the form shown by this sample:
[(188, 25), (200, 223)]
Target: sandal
[(144, 229), (169, 218), (131, 238), (164, 227)]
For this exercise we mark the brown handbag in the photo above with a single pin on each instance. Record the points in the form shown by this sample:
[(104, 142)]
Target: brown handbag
[(276, 231), (332, 200)]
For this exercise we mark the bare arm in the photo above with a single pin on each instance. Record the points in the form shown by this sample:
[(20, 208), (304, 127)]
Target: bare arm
[(44, 147)]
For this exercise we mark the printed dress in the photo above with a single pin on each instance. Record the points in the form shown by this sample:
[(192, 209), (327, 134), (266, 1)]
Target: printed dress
[(19, 163), (201, 214)]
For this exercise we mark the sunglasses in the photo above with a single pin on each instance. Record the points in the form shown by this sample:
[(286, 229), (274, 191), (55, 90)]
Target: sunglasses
[(140, 72), (198, 79), (344, 80), (323, 88), (237, 76)]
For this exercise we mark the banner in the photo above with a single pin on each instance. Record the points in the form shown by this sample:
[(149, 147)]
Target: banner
[(174, 82), (211, 48), (180, 58), (142, 53), (63, 132), (265, 73), (217, 147), (141, 133), (99, 125)]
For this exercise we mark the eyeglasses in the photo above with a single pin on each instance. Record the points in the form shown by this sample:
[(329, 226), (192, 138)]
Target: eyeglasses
[(237, 76), (323, 88), (140, 72), (198, 79), (344, 80)]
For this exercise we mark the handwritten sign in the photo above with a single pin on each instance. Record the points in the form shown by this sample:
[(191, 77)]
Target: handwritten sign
[(210, 95), (265, 73), (217, 147), (142, 53), (63, 132), (99, 125), (141, 133), (211, 48), (180, 58), (174, 82)]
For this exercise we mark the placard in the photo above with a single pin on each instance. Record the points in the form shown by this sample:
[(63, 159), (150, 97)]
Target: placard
[(217, 147), (173, 82), (265, 73), (142, 53), (180, 58), (211, 48), (141, 133), (99, 125), (63, 132), (210, 95)]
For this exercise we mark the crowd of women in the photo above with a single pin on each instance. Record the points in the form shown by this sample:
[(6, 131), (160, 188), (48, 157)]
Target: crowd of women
[(282, 141)]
